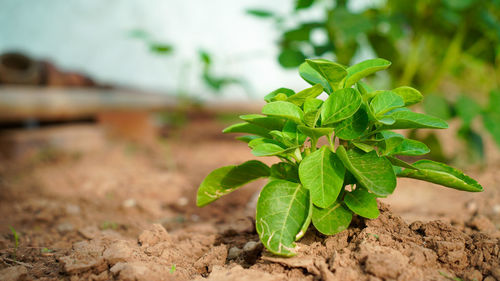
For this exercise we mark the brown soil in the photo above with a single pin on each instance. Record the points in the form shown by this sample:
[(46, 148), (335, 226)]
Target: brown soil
[(125, 212)]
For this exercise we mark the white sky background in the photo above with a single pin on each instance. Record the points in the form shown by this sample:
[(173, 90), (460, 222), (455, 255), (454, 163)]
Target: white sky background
[(92, 36)]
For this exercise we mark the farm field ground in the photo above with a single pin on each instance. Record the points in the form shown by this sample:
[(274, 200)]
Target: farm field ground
[(120, 211)]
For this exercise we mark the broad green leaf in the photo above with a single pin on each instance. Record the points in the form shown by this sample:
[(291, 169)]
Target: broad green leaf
[(410, 95), (300, 97), (400, 163), (410, 148), (315, 133), (270, 149), (287, 92), (362, 203), (467, 109), (363, 146), (334, 73), (333, 219), (271, 123), (247, 128), (291, 135), (437, 106), (386, 120), (227, 179), (352, 127), (312, 111), (364, 89), (363, 69), (248, 139), (322, 173), (312, 77), (372, 172), (390, 141), (282, 210), (340, 105), (442, 174), (413, 120), (285, 171), (253, 143), (385, 102), (312, 104), (284, 109)]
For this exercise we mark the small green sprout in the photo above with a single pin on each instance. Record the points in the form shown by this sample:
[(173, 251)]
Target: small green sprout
[(173, 268), (16, 240), (315, 184)]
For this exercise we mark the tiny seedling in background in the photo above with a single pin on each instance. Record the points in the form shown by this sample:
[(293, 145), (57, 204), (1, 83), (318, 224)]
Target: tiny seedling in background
[(16, 240), (326, 185), (173, 268)]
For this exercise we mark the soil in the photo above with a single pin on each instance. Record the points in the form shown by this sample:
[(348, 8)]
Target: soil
[(123, 211)]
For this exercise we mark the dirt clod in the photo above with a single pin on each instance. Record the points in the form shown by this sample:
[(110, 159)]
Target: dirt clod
[(14, 273)]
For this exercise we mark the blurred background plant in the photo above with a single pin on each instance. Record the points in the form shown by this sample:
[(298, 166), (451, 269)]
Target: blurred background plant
[(448, 49)]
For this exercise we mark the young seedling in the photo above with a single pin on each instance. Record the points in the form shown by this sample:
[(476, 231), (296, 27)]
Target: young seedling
[(16, 241), (326, 185)]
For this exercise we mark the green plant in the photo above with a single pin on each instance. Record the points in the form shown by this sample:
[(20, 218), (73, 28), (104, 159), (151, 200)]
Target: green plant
[(326, 185), (16, 240)]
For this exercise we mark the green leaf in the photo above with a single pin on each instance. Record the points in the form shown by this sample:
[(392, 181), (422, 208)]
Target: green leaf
[(161, 48), (315, 133), (284, 109), (271, 123), (364, 89), (253, 143), (312, 77), (386, 120), (248, 139), (400, 163), (410, 95), (467, 109), (322, 173), (413, 120), (312, 104), (363, 69), (410, 148), (372, 172), (270, 149), (247, 128), (285, 171), (437, 106), (287, 92), (312, 111), (291, 57), (300, 97), (331, 220), (352, 127), (282, 210), (442, 174), (260, 13), (303, 4), (362, 203), (363, 146), (391, 140), (491, 121), (227, 179), (340, 105), (291, 135), (385, 102), (334, 73)]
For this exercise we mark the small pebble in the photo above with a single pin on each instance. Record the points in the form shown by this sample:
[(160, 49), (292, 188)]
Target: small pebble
[(183, 201), (65, 227), (129, 203), (72, 209), (234, 252)]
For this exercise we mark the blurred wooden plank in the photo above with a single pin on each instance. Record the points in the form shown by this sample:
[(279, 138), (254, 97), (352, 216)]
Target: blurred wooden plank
[(20, 103)]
